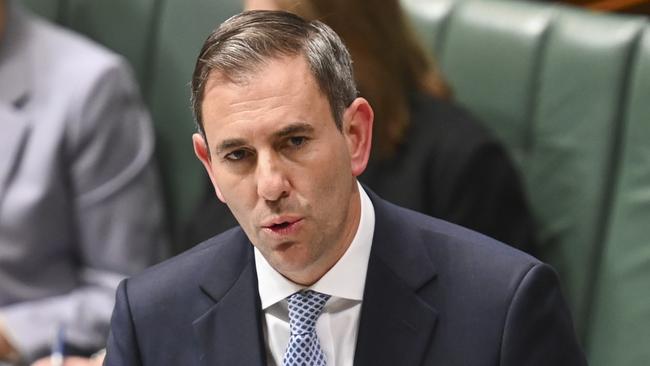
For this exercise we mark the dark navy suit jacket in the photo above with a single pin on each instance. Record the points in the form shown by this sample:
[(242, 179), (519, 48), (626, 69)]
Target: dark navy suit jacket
[(436, 294)]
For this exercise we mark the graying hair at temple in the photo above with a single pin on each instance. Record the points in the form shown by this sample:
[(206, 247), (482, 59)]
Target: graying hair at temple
[(240, 46)]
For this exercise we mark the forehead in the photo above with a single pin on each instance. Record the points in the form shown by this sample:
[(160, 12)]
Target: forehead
[(276, 72), (282, 87)]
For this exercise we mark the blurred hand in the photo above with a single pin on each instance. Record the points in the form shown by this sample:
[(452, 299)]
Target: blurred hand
[(72, 361), (7, 351)]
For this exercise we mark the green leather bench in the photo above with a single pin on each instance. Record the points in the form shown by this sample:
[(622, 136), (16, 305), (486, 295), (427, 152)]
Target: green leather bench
[(568, 92)]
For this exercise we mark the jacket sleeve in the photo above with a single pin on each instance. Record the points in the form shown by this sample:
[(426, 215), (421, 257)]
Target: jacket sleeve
[(538, 328), (122, 348)]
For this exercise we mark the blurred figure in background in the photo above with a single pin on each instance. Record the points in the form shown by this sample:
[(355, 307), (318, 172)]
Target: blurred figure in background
[(73, 361), (79, 198), (428, 154)]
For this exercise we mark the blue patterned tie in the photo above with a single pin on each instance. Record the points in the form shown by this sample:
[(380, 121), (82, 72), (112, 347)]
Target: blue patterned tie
[(304, 348)]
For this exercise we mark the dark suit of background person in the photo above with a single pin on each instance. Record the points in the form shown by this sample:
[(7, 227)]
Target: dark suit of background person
[(79, 202), (434, 293), (436, 159)]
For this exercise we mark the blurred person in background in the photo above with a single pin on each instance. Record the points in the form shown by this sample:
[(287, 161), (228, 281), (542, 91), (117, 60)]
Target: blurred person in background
[(74, 361), (79, 197), (428, 154)]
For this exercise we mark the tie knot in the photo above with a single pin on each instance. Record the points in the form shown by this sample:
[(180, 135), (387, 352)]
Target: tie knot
[(304, 308)]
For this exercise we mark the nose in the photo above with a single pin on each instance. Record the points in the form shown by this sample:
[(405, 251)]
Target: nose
[(272, 182)]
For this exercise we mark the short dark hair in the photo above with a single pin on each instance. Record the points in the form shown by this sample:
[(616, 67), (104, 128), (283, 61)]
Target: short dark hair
[(243, 43)]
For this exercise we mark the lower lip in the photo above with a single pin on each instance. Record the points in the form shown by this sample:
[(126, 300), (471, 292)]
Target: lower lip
[(284, 230)]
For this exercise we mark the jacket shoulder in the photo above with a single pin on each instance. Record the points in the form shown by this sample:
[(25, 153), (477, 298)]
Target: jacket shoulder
[(218, 259)]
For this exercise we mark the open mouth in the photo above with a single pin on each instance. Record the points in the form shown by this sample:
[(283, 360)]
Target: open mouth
[(280, 225), (284, 227)]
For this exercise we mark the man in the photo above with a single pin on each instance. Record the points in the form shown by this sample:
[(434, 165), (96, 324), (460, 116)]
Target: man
[(79, 198), (322, 271)]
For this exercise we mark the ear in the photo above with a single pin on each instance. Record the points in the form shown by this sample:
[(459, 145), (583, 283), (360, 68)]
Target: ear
[(357, 129), (202, 153)]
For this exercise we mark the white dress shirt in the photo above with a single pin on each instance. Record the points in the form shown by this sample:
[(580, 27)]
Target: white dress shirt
[(338, 324)]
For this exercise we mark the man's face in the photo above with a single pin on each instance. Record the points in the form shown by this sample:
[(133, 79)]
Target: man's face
[(282, 166)]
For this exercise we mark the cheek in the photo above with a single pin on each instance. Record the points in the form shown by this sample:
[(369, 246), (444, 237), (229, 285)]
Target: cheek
[(330, 180), (234, 190)]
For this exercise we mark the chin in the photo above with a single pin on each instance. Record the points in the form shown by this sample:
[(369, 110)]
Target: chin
[(298, 264), (290, 263)]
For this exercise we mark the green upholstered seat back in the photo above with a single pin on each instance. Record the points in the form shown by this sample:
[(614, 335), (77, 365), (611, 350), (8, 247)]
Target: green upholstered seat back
[(182, 28), (620, 318), (490, 54), (577, 123), (126, 26), (47, 9), (567, 92)]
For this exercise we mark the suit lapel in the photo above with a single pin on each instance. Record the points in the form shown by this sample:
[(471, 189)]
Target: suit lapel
[(14, 127), (396, 324), (230, 332), (15, 73)]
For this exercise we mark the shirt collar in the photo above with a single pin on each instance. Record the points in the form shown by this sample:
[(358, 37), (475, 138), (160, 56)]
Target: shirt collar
[(346, 279)]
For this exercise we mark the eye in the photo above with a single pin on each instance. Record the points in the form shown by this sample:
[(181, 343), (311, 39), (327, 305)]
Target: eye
[(237, 155), (297, 141)]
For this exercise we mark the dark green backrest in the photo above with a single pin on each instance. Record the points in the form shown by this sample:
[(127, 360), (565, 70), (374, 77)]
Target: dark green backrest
[(181, 29), (568, 92), (620, 320)]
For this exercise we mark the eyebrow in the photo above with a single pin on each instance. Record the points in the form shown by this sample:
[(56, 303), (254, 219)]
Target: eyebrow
[(294, 128), (229, 144)]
